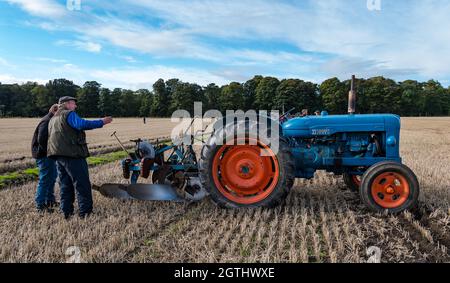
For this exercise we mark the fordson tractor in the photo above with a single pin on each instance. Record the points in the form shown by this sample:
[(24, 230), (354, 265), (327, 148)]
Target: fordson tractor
[(364, 149)]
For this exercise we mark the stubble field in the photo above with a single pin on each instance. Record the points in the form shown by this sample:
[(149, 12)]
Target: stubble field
[(321, 221), (16, 135)]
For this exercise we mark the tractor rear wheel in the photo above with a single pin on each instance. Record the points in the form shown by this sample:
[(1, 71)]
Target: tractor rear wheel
[(389, 186), (239, 176)]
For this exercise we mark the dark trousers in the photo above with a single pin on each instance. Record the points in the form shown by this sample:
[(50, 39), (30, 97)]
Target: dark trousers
[(74, 176), (47, 178)]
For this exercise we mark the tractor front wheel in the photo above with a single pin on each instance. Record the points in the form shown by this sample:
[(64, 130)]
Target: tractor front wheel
[(389, 186)]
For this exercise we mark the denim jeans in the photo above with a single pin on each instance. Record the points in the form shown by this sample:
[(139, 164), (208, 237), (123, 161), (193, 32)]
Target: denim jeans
[(74, 177), (46, 185)]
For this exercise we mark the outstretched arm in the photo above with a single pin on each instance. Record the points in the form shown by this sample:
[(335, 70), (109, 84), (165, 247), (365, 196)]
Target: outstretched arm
[(81, 124)]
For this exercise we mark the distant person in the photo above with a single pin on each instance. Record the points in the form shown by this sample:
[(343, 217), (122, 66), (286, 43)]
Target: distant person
[(304, 113), (145, 120), (317, 113), (67, 145), (45, 196)]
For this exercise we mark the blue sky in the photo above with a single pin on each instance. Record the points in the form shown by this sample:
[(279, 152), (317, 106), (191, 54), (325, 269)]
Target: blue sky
[(132, 43)]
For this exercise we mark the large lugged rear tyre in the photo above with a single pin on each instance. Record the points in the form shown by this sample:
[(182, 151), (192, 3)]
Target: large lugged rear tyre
[(389, 186), (238, 176)]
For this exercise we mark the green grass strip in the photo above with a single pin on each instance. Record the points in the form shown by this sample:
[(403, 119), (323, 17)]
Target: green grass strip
[(106, 158), (10, 177), (33, 173)]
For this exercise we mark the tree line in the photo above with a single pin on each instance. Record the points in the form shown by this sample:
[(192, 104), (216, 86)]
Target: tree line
[(375, 95)]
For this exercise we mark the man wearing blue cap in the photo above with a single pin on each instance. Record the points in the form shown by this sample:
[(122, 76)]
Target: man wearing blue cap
[(67, 145)]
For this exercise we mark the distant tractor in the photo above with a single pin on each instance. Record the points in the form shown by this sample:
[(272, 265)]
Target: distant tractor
[(364, 149)]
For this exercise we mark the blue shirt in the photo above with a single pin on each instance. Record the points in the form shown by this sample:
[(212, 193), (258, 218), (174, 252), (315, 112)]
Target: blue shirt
[(83, 125)]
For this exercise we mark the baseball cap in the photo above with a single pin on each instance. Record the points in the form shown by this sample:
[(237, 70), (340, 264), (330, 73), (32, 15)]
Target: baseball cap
[(66, 99)]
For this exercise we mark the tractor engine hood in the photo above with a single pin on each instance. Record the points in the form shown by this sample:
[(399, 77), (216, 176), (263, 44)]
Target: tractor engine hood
[(313, 126)]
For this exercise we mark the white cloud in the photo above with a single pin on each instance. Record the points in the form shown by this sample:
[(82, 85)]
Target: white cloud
[(410, 35), (141, 38), (88, 46), (129, 59), (145, 39), (10, 79), (256, 57), (136, 78), (131, 78), (81, 45), (51, 60), (344, 68), (226, 18), (42, 8), (403, 38)]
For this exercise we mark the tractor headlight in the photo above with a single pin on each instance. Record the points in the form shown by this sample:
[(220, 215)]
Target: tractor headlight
[(391, 141)]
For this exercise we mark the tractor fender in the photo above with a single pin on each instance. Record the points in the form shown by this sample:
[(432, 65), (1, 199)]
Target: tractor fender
[(230, 124)]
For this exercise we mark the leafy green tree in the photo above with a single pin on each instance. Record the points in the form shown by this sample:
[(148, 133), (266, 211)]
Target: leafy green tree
[(31, 109), (334, 96), (129, 103), (296, 93), (20, 101), (375, 95), (15, 100), (382, 95), (88, 99), (145, 98), (250, 92), (105, 103), (433, 99), (447, 102), (411, 95), (161, 100), (185, 95), (116, 96), (5, 99), (171, 85), (61, 87), (232, 97), (212, 97), (42, 99), (265, 93)]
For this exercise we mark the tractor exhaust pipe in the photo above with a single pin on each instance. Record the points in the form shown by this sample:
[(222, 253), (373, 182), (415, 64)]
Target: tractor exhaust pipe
[(352, 98)]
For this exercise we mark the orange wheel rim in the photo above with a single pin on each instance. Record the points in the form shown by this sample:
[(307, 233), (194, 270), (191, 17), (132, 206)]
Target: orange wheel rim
[(242, 175), (390, 190)]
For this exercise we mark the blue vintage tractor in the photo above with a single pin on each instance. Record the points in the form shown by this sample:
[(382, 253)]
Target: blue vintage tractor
[(364, 149)]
